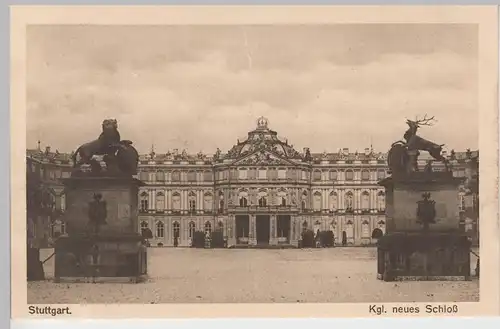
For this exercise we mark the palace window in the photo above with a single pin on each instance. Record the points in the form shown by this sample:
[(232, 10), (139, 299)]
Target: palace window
[(381, 201), (282, 173), (192, 205), (365, 200), (317, 175), (234, 174), (207, 176), (160, 201), (191, 176), (221, 205), (243, 201), (349, 202), (333, 201), (283, 201), (208, 228), (192, 201), (333, 175), (304, 225), (144, 225), (160, 176), (349, 175), (365, 175), (63, 227), (160, 230), (262, 173), (461, 198), (317, 201), (192, 229), (380, 174), (262, 201), (144, 201), (152, 176), (243, 173), (220, 226), (303, 205), (273, 174), (208, 201), (176, 176), (177, 230), (176, 201), (252, 173), (365, 229)]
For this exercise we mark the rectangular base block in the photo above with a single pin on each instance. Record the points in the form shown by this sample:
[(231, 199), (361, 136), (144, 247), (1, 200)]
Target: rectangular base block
[(138, 279), (100, 258), (422, 256)]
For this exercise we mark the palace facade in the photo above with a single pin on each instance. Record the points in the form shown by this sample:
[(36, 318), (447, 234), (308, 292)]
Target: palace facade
[(264, 191)]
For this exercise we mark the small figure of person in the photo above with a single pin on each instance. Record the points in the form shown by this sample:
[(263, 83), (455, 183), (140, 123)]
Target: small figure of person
[(317, 239), (176, 241)]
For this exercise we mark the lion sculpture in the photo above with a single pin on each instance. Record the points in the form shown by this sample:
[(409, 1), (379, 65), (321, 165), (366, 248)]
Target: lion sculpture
[(119, 156)]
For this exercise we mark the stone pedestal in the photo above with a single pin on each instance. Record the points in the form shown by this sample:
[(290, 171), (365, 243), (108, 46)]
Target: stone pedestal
[(407, 251), (117, 250)]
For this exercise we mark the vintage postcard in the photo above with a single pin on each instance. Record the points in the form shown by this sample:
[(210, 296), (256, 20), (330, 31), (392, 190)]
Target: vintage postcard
[(233, 161)]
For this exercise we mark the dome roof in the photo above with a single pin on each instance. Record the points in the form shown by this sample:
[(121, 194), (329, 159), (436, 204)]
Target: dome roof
[(263, 138)]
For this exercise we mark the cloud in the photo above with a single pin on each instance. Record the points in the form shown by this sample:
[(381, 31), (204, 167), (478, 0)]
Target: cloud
[(196, 89)]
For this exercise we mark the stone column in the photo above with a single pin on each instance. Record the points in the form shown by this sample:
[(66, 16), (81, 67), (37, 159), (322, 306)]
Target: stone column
[(252, 234), (231, 234), (273, 236)]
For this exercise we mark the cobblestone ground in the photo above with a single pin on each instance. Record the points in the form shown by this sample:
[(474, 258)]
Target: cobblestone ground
[(259, 276)]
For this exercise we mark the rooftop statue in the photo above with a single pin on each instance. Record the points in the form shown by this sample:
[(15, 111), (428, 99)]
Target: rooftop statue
[(119, 155), (402, 157)]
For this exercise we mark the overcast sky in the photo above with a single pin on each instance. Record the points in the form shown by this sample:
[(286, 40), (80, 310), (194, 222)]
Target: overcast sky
[(201, 87)]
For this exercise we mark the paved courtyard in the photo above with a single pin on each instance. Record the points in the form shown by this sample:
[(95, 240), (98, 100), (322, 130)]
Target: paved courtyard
[(230, 276)]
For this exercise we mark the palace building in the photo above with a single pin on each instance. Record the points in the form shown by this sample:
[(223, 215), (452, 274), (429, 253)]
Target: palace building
[(264, 191)]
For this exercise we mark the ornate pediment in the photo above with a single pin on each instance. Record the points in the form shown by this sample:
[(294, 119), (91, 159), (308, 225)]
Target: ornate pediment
[(263, 157)]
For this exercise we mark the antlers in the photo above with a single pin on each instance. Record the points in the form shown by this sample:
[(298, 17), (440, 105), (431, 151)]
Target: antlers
[(425, 121)]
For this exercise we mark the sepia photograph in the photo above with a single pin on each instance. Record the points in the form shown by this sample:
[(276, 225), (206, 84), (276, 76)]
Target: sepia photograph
[(255, 163)]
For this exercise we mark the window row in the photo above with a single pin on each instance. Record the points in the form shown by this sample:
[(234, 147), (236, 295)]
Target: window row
[(176, 176), (160, 202), (159, 230)]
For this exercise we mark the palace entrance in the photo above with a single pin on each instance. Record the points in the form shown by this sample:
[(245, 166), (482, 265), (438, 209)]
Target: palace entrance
[(283, 227), (242, 228), (262, 223)]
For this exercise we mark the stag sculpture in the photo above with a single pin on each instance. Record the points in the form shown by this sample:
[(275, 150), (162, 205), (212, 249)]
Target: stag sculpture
[(398, 155)]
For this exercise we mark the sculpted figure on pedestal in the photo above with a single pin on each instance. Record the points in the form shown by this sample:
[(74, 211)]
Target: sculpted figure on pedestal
[(119, 155), (403, 155)]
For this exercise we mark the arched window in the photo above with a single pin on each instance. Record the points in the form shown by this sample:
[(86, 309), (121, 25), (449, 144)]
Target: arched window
[(208, 176), (221, 205), (243, 201), (365, 175), (177, 229), (262, 201), (176, 176), (381, 201), (220, 226), (144, 201), (191, 176), (160, 230), (317, 175), (380, 174), (144, 225), (192, 201), (377, 233), (350, 229), (160, 201), (349, 206), (349, 175), (283, 201), (176, 201), (333, 175), (208, 228), (365, 201), (333, 201), (303, 205), (317, 201), (192, 229), (208, 201)]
